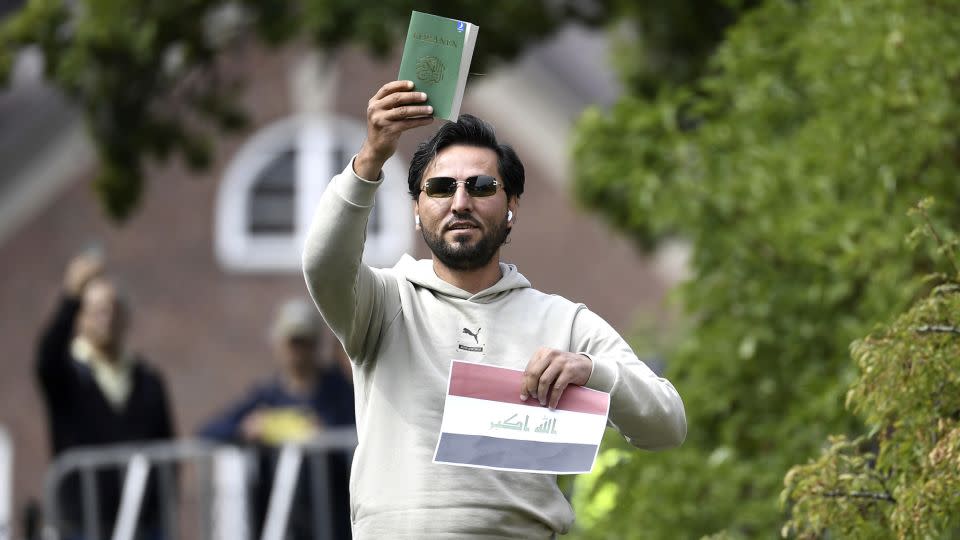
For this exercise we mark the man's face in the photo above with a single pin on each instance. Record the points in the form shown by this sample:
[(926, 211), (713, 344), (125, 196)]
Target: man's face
[(296, 354), (462, 231), (103, 318)]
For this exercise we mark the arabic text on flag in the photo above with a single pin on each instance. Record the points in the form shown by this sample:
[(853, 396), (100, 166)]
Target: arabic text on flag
[(485, 424)]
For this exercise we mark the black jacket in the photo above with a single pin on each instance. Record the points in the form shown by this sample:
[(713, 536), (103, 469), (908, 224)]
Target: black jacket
[(79, 415)]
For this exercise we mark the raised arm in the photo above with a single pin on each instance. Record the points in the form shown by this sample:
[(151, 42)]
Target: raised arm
[(53, 362), (353, 298)]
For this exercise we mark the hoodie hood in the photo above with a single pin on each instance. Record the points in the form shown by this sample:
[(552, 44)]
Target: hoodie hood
[(420, 272)]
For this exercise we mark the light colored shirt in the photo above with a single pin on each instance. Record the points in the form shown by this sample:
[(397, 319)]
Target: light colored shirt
[(114, 378)]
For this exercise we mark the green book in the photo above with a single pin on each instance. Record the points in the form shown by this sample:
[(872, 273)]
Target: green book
[(436, 57)]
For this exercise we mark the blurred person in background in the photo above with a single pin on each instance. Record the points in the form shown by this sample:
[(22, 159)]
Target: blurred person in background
[(308, 395), (97, 392)]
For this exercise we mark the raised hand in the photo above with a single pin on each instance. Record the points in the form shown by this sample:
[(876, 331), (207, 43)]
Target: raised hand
[(80, 271), (391, 111)]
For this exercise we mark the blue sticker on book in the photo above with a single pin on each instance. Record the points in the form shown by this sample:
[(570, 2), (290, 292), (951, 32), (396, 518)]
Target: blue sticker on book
[(460, 26)]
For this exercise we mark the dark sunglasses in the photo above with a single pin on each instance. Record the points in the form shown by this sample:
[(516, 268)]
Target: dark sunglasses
[(441, 187)]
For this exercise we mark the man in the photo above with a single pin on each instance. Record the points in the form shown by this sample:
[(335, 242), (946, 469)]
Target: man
[(402, 327), (307, 396), (96, 392)]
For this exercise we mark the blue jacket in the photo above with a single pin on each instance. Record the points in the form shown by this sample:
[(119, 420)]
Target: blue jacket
[(331, 401)]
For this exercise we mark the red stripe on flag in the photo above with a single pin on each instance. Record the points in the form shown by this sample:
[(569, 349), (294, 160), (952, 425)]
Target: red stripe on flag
[(501, 384)]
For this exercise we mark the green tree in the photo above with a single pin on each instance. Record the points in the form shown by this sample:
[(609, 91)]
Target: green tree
[(789, 165), (662, 43), (902, 479), (148, 78)]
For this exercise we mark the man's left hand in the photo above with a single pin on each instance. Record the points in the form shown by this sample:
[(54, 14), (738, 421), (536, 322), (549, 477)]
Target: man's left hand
[(550, 371)]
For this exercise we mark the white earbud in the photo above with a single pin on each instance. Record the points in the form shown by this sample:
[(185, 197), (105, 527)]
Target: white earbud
[(416, 219), (509, 215)]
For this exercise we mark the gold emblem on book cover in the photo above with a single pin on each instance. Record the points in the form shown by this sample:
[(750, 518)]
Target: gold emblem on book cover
[(430, 69)]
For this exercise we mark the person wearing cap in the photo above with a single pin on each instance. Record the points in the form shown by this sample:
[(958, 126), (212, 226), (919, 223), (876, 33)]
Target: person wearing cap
[(307, 395)]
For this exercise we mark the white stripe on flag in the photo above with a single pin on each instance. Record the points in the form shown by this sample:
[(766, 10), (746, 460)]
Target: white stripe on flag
[(471, 416)]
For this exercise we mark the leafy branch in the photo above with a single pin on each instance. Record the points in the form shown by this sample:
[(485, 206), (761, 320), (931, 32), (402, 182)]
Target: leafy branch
[(922, 209), (860, 495), (937, 328)]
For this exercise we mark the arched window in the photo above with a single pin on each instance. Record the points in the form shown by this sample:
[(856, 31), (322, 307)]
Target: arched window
[(270, 190), (273, 197)]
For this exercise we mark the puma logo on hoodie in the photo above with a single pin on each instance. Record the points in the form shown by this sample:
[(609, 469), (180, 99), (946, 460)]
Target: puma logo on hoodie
[(474, 334), (476, 339)]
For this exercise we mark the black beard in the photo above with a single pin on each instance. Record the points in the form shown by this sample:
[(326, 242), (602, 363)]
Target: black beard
[(459, 255)]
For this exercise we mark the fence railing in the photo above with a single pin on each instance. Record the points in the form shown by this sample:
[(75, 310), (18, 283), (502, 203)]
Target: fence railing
[(6, 486), (214, 477)]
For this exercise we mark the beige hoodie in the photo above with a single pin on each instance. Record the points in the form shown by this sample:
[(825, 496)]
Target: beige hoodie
[(401, 328)]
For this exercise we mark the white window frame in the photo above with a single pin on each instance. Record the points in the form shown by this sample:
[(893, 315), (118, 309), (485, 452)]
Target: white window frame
[(314, 137)]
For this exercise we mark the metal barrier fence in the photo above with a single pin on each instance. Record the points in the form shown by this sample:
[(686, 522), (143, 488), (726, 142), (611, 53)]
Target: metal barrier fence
[(216, 477), (6, 486)]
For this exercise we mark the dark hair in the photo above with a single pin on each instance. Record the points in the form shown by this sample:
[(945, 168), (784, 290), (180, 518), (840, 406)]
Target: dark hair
[(470, 131)]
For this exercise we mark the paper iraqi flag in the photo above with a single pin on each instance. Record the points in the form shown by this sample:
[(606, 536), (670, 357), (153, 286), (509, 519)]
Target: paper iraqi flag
[(485, 424)]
